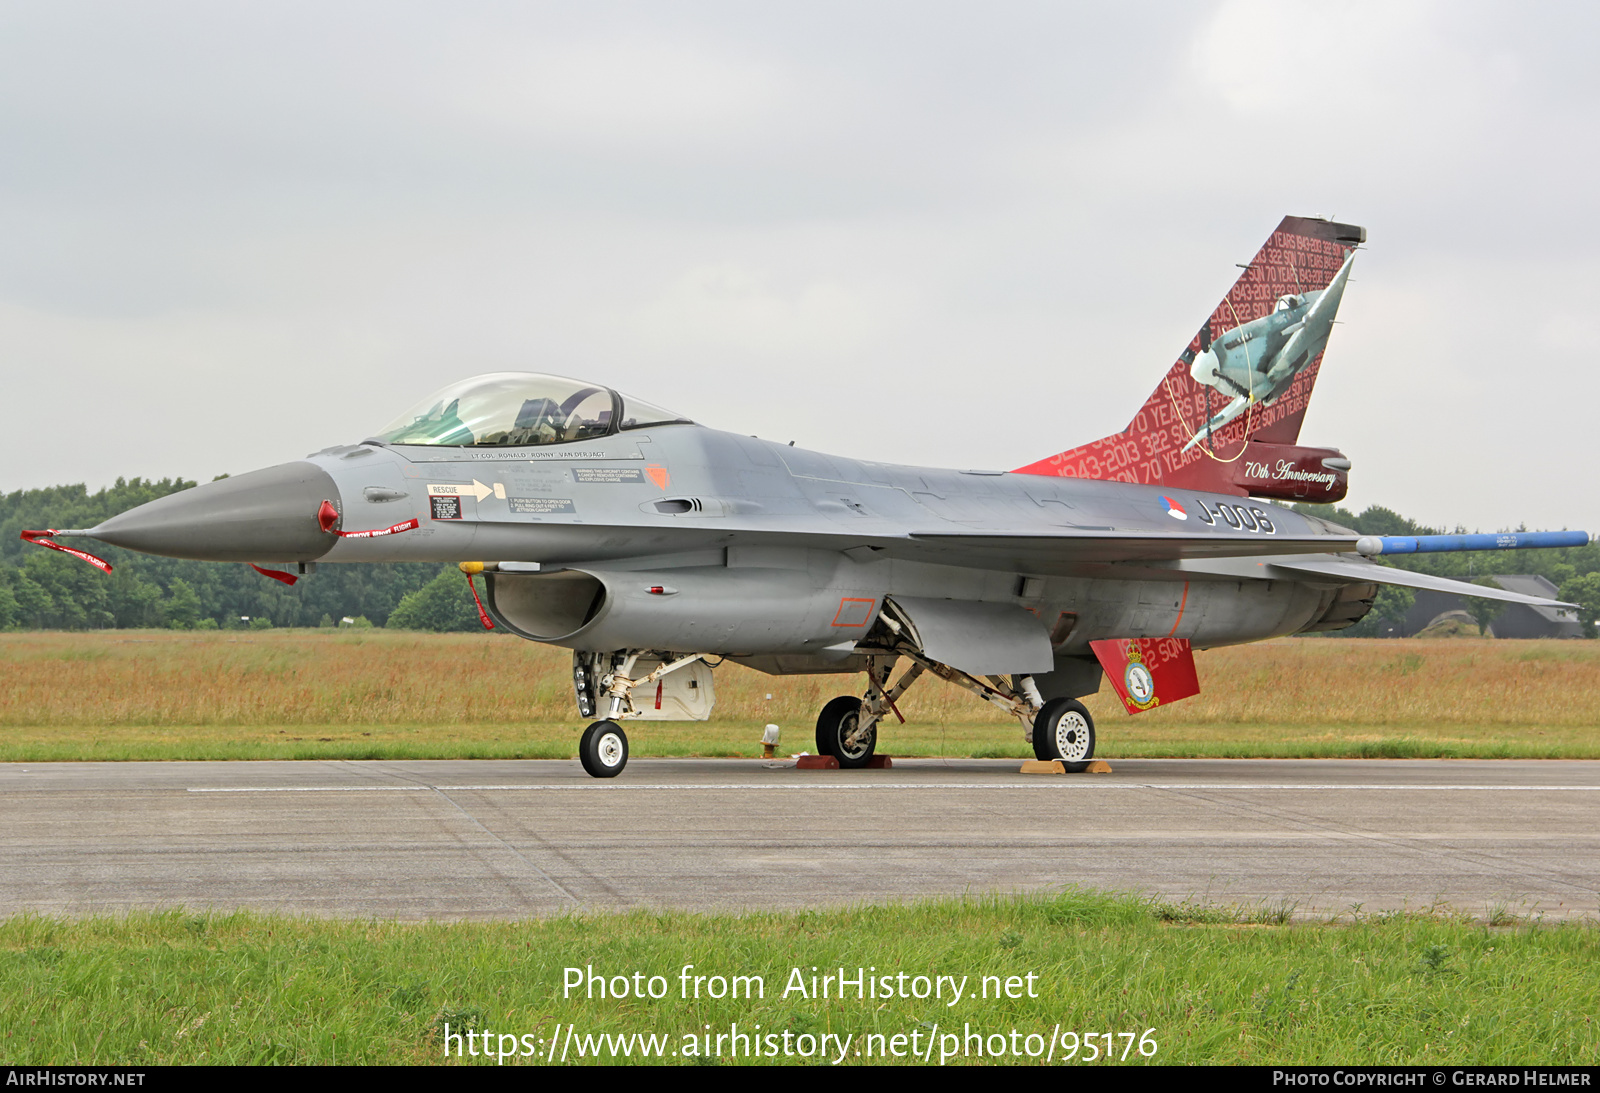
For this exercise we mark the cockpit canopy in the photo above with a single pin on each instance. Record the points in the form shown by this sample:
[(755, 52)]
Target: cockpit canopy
[(521, 409)]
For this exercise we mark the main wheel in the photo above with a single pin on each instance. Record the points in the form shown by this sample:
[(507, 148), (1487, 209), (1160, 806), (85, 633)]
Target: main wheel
[(1064, 730), (603, 750), (840, 733)]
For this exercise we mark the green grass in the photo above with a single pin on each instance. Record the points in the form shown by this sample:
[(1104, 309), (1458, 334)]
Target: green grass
[(1214, 984), (326, 694), (1119, 737)]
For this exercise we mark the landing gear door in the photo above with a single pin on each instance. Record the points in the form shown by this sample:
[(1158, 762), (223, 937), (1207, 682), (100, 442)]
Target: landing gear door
[(687, 694), (979, 638)]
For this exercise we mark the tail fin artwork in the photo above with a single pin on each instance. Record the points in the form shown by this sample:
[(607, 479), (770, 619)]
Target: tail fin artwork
[(1226, 417)]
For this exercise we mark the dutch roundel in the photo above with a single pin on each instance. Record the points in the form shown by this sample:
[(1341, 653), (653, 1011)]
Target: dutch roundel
[(1174, 509)]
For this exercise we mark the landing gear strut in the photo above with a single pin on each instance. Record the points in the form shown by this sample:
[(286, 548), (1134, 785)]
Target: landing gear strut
[(604, 684)]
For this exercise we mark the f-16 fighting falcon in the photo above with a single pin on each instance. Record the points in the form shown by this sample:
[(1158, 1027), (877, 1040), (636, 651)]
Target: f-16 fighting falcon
[(652, 546)]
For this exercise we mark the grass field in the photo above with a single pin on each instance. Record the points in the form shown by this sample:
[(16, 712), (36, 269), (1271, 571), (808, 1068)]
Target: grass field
[(1192, 984), (378, 694)]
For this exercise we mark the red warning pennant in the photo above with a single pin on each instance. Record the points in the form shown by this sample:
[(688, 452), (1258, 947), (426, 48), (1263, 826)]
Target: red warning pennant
[(42, 538), (1148, 672), (483, 616), (392, 529)]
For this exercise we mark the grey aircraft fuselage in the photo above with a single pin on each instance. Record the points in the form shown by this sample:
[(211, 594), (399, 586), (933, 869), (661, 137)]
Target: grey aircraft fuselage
[(681, 537)]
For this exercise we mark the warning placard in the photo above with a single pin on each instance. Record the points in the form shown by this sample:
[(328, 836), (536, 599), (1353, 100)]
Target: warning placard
[(606, 475), (538, 506), (445, 508)]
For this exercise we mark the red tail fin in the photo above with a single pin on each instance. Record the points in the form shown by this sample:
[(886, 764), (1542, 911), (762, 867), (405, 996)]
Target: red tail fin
[(1227, 415)]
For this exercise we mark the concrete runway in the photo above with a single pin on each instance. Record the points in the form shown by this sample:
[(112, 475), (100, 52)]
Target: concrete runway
[(496, 839)]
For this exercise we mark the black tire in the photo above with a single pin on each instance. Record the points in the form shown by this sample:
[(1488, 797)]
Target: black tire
[(836, 726), (1064, 730), (603, 750)]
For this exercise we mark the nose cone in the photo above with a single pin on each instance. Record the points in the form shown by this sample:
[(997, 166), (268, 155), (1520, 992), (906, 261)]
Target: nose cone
[(263, 516)]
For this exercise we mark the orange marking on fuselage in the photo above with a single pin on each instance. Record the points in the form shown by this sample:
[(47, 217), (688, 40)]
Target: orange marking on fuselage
[(1181, 605)]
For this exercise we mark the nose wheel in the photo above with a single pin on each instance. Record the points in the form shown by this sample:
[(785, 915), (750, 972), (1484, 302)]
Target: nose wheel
[(603, 749)]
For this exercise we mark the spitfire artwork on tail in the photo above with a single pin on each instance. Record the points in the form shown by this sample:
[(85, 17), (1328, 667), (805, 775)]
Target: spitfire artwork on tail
[(651, 546)]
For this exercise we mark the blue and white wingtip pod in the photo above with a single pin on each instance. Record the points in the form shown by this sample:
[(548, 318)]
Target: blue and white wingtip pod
[(1374, 545)]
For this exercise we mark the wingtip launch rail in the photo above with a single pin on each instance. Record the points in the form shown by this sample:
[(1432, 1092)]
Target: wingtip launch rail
[(1374, 545)]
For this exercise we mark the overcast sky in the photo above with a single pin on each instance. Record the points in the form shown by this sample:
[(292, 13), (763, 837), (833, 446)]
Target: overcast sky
[(962, 235)]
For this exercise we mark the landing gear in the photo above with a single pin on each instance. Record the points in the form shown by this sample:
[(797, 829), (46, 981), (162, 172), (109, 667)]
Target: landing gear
[(846, 732), (603, 683), (1064, 730), (603, 750)]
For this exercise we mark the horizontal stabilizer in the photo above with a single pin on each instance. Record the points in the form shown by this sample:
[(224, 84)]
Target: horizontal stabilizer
[(1351, 569)]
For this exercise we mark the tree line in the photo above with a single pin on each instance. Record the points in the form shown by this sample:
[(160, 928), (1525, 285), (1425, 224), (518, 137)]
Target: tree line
[(47, 590)]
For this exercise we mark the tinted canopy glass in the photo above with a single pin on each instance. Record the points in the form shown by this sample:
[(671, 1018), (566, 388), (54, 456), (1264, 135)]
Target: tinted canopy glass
[(508, 409)]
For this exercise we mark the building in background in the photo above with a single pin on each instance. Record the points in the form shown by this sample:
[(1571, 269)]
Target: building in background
[(1515, 621)]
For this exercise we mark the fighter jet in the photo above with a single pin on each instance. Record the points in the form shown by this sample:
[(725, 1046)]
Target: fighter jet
[(654, 547)]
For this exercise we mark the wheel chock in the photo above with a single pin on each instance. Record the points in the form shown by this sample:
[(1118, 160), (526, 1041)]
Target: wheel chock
[(880, 762), (816, 762), (1055, 766)]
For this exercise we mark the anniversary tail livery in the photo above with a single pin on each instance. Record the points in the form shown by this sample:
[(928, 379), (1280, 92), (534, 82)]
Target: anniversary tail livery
[(653, 547), (1226, 417)]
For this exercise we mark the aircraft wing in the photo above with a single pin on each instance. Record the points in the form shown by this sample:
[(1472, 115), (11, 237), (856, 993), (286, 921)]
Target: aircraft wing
[(1077, 546)]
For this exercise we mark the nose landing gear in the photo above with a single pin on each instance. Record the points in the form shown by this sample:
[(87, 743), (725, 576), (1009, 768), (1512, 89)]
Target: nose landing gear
[(603, 749)]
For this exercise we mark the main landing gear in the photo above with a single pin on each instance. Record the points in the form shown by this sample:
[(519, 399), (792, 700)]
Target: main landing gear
[(847, 732), (1064, 730), (1060, 729)]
